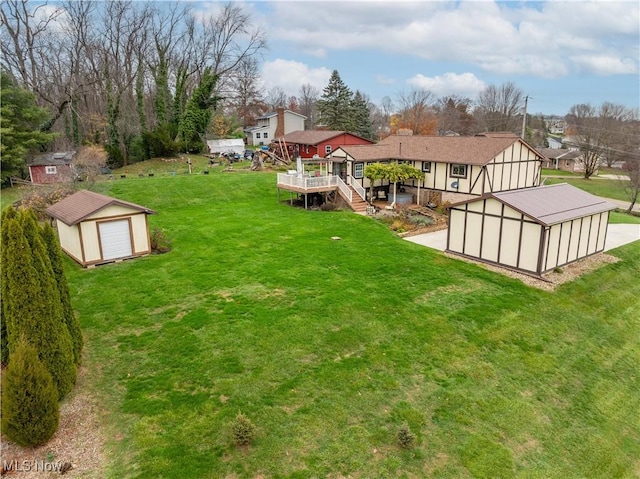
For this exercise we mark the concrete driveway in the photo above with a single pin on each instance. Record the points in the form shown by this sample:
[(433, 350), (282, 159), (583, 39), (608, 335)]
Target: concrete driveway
[(617, 235)]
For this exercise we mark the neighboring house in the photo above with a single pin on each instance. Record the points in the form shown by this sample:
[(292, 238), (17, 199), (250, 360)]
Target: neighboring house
[(562, 159), (95, 229), (454, 167), (51, 168), (223, 146), (274, 124), (556, 126), (533, 230), (319, 143)]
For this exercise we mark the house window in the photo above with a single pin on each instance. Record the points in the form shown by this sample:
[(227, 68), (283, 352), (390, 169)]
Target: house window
[(459, 171), (50, 170), (426, 166), (358, 170), (327, 150), (567, 163), (265, 135)]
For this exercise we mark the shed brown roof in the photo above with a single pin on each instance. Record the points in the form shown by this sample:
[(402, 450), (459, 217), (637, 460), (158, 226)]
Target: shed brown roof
[(553, 204), (75, 208), (468, 150)]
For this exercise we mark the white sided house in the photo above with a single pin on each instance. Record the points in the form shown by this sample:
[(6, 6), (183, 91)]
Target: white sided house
[(95, 229), (455, 167), (532, 230)]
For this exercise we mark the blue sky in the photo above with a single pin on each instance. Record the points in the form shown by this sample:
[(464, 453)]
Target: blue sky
[(558, 53)]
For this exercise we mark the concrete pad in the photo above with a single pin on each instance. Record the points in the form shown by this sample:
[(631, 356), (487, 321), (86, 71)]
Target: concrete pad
[(617, 235)]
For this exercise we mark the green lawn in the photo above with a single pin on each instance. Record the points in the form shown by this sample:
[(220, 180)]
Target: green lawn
[(599, 187), (328, 346)]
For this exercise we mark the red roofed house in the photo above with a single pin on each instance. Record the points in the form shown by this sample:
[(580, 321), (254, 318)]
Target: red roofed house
[(96, 229)]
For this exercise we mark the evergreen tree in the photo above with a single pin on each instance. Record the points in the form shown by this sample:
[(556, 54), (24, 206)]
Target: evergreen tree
[(32, 302), (197, 116), (335, 105), (70, 319), (7, 214), (30, 413), (20, 121), (363, 126)]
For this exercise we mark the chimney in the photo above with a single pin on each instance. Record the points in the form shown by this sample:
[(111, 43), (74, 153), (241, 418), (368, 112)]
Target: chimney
[(280, 122)]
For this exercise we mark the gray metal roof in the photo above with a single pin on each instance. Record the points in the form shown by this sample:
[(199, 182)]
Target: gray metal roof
[(75, 208), (52, 159), (553, 204)]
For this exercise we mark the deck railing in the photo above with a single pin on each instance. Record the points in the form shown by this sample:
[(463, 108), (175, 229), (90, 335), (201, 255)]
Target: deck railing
[(345, 190), (307, 182), (356, 186)]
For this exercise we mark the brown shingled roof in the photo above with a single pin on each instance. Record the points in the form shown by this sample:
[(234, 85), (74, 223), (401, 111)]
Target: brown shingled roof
[(554, 204), (469, 150), (75, 208)]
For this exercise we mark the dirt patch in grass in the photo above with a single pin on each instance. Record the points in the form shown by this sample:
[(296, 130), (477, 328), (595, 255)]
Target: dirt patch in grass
[(553, 279), (79, 441)]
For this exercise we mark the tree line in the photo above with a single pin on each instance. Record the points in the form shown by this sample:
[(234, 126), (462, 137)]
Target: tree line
[(149, 79)]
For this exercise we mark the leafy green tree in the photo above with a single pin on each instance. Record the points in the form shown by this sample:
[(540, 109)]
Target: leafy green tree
[(32, 302), (70, 318), (335, 105), (394, 172), (197, 116), (30, 411), (20, 122), (8, 214)]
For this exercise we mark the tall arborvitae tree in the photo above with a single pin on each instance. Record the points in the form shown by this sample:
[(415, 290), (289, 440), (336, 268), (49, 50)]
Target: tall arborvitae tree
[(363, 126), (70, 319), (8, 214), (335, 105), (32, 302), (30, 411)]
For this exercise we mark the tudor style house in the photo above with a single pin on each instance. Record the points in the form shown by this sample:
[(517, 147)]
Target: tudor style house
[(272, 125), (308, 144), (456, 168)]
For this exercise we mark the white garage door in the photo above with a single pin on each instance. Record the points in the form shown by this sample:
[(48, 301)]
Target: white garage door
[(115, 239)]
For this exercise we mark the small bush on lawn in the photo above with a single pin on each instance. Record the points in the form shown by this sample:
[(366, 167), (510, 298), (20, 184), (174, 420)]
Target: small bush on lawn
[(406, 439), (328, 206), (159, 241), (243, 431), (30, 413)]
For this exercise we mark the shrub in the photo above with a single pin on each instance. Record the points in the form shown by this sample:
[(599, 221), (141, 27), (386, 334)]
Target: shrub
[(159, 241), (243, 431), (30, 412), (406, 439), (328, 206)]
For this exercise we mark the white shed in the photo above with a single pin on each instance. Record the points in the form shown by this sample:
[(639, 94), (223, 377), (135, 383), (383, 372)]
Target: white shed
[(96, 229), (533, 230), (223, 146)]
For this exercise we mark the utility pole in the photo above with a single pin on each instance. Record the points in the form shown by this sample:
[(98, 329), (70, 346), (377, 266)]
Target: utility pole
[(524, 117)]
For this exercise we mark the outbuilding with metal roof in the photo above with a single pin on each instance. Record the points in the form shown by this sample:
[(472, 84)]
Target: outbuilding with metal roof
[(95, 228), (532, 230)]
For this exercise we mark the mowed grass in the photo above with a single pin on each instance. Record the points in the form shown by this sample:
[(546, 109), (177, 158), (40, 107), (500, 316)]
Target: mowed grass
[(328, 346), (596, 186)]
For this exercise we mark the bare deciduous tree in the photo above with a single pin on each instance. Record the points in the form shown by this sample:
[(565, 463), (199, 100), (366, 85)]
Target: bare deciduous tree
[(499, 108), (416, 112)]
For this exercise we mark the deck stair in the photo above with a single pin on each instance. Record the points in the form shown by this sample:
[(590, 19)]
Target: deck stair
[(357, 204)]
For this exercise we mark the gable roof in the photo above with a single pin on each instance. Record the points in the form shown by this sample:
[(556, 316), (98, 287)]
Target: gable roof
[(557, 153), (51, 159), (552, 204), (75, 208), (315, 137), (271, 114), (469, 150)]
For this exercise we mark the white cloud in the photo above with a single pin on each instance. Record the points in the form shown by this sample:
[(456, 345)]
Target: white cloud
[(606, 64), (384, 80), (543, 39), (291, 75), (464, 84)]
